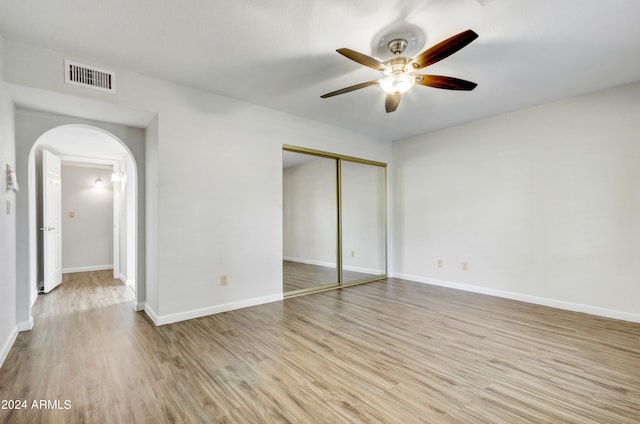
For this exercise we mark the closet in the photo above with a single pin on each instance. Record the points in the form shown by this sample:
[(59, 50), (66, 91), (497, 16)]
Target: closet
[(334, 220)]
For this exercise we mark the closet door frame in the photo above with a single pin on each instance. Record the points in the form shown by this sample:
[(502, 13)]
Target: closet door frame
[(339, 247)]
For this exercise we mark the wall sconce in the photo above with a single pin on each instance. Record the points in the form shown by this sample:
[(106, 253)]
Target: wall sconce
[(99, 183), (115, 175), (12, 182)]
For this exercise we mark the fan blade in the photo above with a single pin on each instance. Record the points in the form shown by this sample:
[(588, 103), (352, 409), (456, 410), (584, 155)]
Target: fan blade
[(391, 102), (448, 83), (351, 88), (441, 50), (363, 59)]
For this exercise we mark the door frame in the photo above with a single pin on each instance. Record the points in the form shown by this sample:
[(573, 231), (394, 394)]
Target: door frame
[(135, 182), (117, 200)]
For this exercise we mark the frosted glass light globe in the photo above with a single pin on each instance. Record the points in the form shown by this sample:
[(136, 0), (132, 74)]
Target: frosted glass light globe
[(397, 84)]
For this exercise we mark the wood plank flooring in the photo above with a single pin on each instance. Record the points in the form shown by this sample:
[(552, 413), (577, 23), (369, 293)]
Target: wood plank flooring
[(390, 351)]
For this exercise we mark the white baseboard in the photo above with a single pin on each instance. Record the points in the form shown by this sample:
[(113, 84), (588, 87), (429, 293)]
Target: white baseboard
[(197, 313), (363, 270), (139, 306), (333, 265), (151, 314), (131, 283), (554, 303), (25, 325), (6, 347), (86, 269), (34, 297), (310, 261)]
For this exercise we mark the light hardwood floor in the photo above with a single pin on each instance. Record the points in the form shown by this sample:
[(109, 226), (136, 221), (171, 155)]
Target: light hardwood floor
[(385, 352)]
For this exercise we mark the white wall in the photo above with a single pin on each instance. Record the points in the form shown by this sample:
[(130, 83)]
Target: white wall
[(219, 184), (87, 237), (543, 204), (8, 323)]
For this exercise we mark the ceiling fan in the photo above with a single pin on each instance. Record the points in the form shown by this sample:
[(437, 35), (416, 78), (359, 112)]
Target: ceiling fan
[(397, 71)]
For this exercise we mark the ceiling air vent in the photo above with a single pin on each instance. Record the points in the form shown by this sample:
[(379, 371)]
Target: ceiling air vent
[(89, 76)]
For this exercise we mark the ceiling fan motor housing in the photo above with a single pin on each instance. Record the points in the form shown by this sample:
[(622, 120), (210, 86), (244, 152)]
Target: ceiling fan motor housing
[(398, 46)]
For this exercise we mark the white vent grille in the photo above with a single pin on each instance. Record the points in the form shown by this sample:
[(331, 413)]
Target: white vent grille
[(89, 76)]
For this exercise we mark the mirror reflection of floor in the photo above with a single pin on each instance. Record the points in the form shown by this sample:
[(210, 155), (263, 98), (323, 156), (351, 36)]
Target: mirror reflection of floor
[(298, 275)]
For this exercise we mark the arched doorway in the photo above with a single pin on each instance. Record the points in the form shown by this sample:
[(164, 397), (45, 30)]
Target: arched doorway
[(92, 146)]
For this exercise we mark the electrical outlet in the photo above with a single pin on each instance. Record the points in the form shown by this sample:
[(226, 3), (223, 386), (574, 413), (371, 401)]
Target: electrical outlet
[(465, 266), (223, 280), (72, 214), (440, 264), (353, 253)]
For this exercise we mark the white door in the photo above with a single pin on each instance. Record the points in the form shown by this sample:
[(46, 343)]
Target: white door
[(51, 222)]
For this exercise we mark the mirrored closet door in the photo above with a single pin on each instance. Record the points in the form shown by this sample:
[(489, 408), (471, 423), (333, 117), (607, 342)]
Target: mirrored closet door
[(363, 221), (310, 219), (334, 220)]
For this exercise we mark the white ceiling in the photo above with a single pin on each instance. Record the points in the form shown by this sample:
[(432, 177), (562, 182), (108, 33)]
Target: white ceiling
[(281, 54)]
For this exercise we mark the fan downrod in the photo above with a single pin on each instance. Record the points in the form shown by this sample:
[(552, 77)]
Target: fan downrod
[(397, 46)]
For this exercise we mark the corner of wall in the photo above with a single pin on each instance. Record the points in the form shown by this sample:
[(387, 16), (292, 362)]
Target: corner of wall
[(151, 313), (151, 219), (8, 282)]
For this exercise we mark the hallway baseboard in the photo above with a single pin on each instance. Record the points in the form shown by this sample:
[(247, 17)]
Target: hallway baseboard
[(25, 325), (6, 347), (86, 268)]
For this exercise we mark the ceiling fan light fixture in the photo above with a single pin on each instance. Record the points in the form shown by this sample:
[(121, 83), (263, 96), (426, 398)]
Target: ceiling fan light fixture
[(397, 84), (397, 72)]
